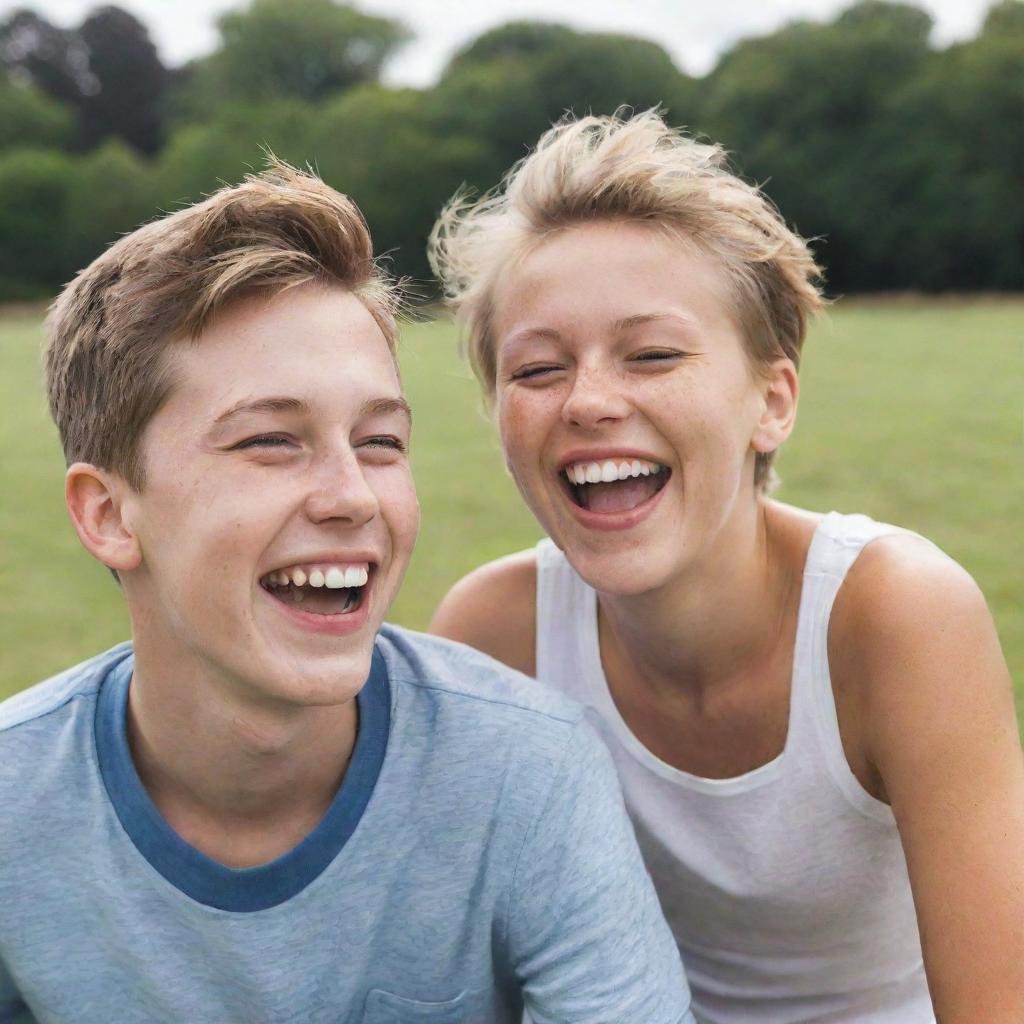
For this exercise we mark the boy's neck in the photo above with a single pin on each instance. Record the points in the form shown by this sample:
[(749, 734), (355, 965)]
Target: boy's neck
[(242, 783)]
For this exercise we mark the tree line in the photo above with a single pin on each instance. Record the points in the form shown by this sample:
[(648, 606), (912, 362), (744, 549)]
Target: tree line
[(904, 161)]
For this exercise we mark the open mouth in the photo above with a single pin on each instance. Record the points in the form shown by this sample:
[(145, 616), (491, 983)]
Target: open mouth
[(321, 589), (614, 485)]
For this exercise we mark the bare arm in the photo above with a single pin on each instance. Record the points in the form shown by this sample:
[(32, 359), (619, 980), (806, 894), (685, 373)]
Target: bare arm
[(494, 610), (940, 731)]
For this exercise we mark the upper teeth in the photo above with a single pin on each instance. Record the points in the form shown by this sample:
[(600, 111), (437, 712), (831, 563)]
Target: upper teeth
[(610, 470), (334, 577)]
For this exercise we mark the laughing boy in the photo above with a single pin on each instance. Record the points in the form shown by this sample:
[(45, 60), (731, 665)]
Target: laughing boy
[(269, 806)]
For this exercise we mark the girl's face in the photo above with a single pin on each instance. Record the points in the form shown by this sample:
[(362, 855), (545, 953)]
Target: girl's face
[(628, 408)]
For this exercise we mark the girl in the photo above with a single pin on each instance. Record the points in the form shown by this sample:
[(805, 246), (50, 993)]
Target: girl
[(811, 715)]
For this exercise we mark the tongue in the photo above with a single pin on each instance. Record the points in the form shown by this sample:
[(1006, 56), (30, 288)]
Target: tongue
[(620, 496), (319, 600)]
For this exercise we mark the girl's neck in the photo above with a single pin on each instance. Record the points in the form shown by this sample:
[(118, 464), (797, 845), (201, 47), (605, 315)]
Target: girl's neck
[(725, 616)]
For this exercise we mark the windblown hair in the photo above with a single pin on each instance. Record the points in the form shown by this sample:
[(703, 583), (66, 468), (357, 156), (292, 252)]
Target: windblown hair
[(634, 169), (109, 332)]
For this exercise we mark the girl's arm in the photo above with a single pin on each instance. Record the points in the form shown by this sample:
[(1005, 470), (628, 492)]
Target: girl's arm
[(494, 610), (913, 634)]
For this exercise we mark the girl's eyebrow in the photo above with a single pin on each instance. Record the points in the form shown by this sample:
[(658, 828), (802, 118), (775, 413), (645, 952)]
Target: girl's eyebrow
[(529, 333), (687, 323)]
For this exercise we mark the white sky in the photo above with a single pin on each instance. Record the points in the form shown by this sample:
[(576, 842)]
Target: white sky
[(693, 31)]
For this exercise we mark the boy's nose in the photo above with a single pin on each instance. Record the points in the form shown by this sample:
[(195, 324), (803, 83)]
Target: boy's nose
[(340, 491)]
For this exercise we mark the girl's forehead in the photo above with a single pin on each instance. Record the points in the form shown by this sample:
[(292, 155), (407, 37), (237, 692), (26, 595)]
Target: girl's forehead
[(609, 272)]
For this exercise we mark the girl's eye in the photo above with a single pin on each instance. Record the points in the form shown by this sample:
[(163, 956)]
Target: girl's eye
[(657, 354), (531, 372), (264, 441)]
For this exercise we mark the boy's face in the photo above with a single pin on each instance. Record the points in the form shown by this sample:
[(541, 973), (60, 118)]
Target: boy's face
[(281, 455)]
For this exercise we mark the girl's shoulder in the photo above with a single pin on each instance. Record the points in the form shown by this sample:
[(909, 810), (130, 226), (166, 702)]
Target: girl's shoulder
[(493, 609), (911, 638)]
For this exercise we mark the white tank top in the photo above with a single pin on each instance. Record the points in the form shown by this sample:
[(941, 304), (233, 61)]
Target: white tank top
[(786, 888)]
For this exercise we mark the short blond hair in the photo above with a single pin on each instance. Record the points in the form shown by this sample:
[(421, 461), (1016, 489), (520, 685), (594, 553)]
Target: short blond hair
[(634, 169), (109, 331)]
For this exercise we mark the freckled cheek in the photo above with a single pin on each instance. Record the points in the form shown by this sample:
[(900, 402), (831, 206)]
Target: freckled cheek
[(523, 424), (396, 496)]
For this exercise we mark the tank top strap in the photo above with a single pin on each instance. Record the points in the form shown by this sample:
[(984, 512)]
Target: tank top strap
[(837, 542), (567, 643), (814, 724)]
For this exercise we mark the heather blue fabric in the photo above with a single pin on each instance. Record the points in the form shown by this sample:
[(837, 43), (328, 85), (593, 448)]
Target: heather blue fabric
[(476, 856)]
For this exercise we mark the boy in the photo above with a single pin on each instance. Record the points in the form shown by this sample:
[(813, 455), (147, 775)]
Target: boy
[(269, 807)]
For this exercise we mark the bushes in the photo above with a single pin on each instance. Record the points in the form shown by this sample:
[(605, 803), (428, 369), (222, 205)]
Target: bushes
[(34, 185), (903, 160), (110, 193), (29, 117)]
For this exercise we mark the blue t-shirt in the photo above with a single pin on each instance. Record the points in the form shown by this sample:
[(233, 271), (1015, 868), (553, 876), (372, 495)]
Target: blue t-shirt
[(477, 855)]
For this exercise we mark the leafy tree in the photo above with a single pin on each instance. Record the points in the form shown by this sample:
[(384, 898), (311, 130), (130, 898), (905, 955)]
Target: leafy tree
[(54, 60), (33, 255), (530, 40), (306, 49), (29, 117), (950, 164), (1004, 20), (804, 109), (107, 71), (500, 103), (200, 157), (127, 101), (377, 145), (513, 82), (111, 191)]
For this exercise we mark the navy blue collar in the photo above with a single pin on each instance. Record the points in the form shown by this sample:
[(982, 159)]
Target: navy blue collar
[(204, 880)]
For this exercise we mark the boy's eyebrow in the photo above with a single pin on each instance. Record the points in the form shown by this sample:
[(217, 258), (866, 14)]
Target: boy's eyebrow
[(382, 406), (274, 403), (285, 403)]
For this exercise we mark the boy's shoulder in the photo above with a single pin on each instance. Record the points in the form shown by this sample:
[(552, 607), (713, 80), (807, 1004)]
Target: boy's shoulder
[(469, 678), (464, 726), (58, 692), (48, 760)]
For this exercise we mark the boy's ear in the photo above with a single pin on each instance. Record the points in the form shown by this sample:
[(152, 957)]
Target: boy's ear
[(95, 502), (780, 392)]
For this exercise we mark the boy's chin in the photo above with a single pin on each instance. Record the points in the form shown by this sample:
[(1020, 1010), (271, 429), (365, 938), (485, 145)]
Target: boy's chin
[(325, 684), (281, 674)]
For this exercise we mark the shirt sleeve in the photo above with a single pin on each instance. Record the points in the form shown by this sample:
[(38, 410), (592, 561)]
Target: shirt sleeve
[(12, 1009), (586, 932)]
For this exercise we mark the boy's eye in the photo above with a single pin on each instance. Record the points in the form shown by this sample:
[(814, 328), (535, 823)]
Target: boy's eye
[(385, 441), (264, 441)]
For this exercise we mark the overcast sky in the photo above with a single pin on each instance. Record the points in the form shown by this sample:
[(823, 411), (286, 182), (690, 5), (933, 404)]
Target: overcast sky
[(693, 31)]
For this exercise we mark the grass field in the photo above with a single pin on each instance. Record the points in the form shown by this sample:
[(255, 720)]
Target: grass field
[(911, 412)]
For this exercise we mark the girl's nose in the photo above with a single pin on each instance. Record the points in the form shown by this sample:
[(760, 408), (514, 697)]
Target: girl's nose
[(595, 398)]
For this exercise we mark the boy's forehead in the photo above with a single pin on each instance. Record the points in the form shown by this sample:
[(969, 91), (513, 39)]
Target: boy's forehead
[(298, 345)]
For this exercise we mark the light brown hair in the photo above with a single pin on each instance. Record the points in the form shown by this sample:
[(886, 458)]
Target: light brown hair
[(634, 169), (109, 332)]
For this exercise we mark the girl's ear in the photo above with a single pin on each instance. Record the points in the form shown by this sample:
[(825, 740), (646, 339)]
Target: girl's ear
[(781, 390), (95, 500)]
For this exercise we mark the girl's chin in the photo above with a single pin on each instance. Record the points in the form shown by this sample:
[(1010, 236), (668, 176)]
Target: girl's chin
[(620, 575)]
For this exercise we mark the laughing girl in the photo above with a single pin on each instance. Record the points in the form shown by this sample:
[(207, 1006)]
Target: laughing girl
[(810, 714)]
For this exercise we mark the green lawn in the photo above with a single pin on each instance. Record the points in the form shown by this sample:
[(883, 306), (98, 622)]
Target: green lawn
[(911, 412)]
